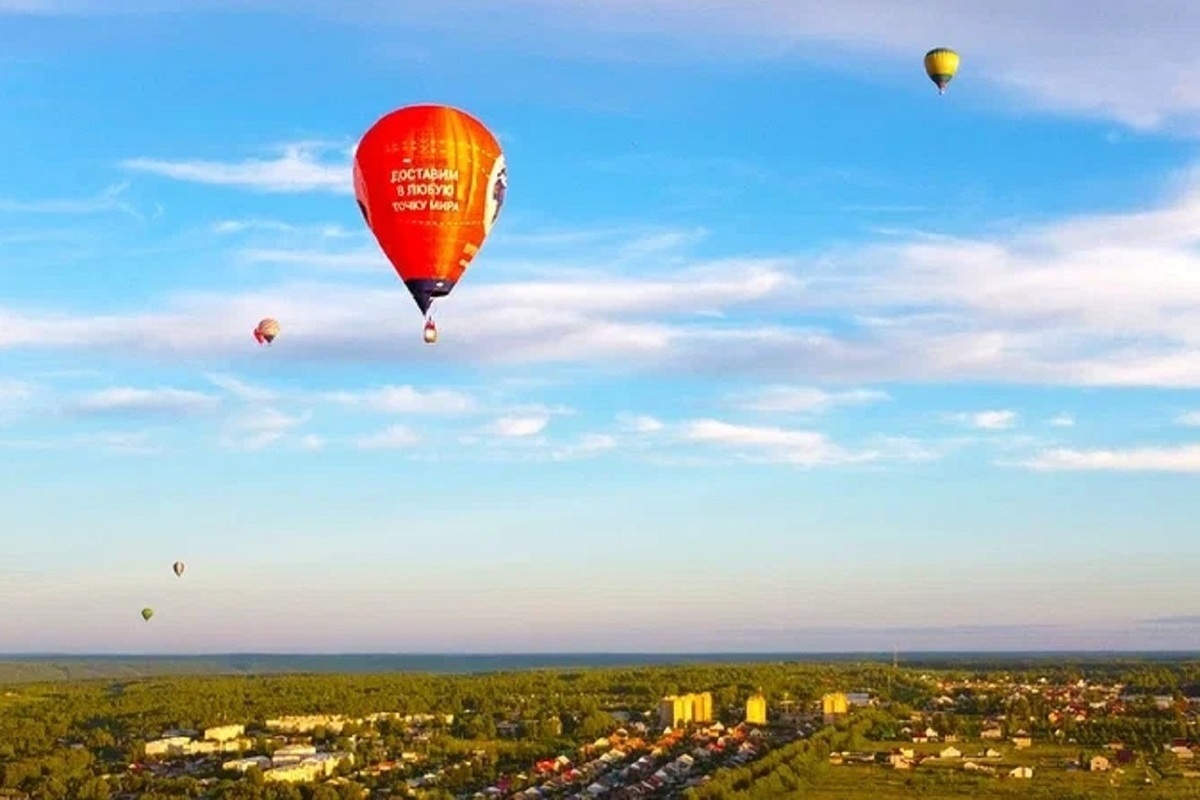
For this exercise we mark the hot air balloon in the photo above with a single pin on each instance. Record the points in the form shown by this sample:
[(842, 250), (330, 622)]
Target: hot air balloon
[(266, 331), (179, 567), (941, 63), (147, 613), (430, 181)]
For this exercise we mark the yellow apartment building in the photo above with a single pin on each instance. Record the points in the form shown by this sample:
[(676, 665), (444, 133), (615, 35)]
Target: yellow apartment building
[(756, 709), (678, 710), (834, 705)]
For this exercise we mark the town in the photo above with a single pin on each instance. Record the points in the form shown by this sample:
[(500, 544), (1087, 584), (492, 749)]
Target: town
[(663, 752), (613, 734)]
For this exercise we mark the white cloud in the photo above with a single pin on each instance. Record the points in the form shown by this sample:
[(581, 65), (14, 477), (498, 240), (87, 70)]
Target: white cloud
[(138, 443), (366, 260), (1069, 55), (1184, 458), (15, 398), (1191, 419), (408, 400), (641, 423), (515, 427), (236, 226), (589, 444), (806, 399), (1050, 305), (988, 420), (396, 437), (805, 448), (131, 400), (107, 200), (1063, 421), (12, 392), (297, 169), (259, 427), (241, 389), (312, 442)]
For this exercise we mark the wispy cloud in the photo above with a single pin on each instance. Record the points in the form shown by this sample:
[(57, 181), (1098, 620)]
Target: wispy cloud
[(1050, 305), (408, 400), (130, 443), (240, 389), (516, 427), (805, 399), (231, 227), (128, 400), (15, 398), (298, 168), (1182, 458), (359, 261), (1070, 56), (1190, 419), (118, 442), (1183, 620), (640, 423), (988, 420), (395, 437), (258, 427), (588, 445), (1062, 421), (107, 200), (806, 448)]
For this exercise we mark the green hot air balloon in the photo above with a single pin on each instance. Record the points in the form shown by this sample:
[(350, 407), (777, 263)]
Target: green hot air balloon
[(147, 613)]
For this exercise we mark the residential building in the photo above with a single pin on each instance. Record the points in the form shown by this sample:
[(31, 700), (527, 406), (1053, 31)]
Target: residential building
[(170, 746), (307, 723), (833, 706), (756, 709), (311, 768), (677, 710), (292, 753), (224, 733)]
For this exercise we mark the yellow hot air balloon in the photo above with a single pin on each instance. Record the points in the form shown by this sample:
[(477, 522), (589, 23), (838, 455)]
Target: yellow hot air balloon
[(941, 63)]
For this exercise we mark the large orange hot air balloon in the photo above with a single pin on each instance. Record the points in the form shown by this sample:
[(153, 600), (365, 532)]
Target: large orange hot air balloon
[(430, 181)]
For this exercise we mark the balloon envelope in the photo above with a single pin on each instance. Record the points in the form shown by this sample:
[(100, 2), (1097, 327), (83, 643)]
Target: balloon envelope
[(147, 613), (179, 567), (941, 64), (267, 330), (430, 181)]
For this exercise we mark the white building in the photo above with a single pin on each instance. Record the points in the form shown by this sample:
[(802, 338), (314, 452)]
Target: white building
[(243, 764), (170, 746), (308, 769), (224, 733), (290, 754)]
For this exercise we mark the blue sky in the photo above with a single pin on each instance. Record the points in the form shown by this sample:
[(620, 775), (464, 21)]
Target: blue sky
[(773, 348)]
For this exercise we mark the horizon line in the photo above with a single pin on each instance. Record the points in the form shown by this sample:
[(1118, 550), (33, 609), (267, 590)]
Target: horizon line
[(591, 653)]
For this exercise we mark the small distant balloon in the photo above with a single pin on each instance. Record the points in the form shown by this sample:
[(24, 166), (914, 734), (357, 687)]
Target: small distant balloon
[(179, 567), (266, 331), (941, 64), (147, 613)]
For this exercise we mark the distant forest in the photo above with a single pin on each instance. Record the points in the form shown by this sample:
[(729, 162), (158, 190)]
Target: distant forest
[(39, 668)]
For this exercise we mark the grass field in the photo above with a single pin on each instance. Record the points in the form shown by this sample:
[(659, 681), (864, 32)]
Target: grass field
[(947, 779)]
